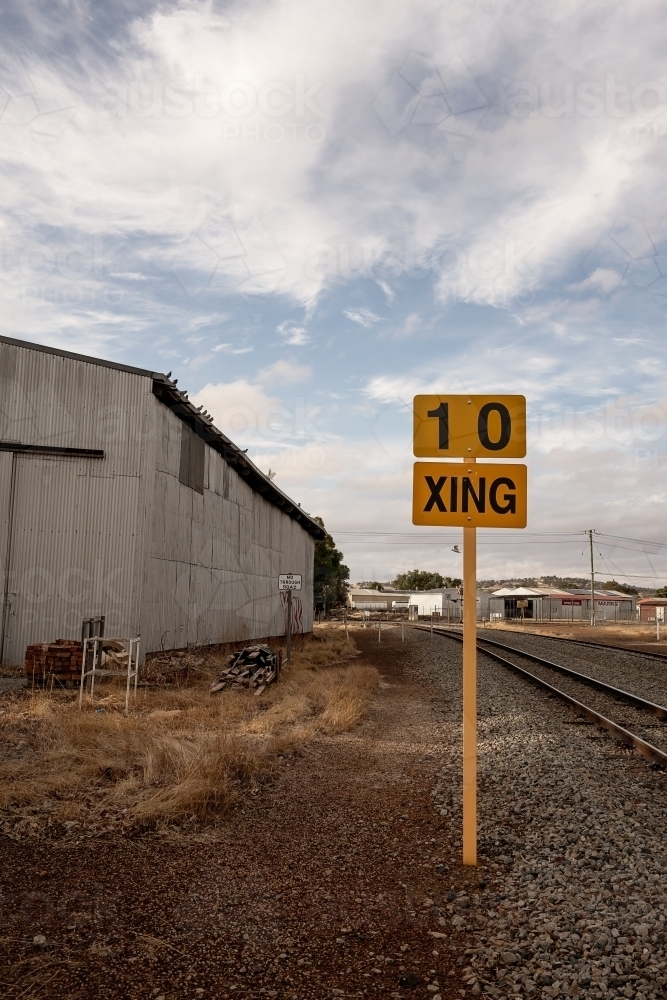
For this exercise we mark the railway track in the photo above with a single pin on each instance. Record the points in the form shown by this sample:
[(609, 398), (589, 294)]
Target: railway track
[(578, 685), (587, 642)]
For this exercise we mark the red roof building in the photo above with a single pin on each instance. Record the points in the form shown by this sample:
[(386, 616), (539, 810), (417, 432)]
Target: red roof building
[(651, 608)]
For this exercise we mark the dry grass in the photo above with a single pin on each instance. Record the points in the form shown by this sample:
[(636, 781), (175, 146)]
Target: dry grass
[(179, 756), (605, 631)]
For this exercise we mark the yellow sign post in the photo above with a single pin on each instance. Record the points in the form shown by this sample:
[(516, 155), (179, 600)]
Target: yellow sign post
[(470, 495), (469, 696)]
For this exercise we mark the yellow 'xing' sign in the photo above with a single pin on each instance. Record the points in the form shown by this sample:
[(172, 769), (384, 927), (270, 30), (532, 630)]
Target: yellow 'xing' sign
[(470, 426), (456, 494)]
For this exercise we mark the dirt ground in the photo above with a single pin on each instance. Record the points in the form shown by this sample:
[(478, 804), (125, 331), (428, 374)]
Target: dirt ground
[(631, 636), (329, 882)]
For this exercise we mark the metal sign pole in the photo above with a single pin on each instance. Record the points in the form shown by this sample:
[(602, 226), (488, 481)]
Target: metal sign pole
[(469, 696), (289, 626), (590, 536), (468, 495)]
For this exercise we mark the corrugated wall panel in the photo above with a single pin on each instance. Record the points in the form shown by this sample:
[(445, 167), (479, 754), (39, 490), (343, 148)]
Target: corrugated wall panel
[(50, 400), (79, 525), (6, 463), (73, 552), (122, 536), (234, 545)]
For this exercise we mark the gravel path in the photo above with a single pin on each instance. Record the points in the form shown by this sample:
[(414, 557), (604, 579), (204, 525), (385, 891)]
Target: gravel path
[(642, 675), (331, 881), (340, 878), (572, 836)]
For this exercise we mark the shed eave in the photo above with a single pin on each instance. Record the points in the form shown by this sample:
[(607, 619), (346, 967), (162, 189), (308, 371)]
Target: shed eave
[(28, 345)]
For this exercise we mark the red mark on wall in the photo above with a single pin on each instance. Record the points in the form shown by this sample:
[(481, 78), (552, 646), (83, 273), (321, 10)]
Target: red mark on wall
[(297, 612)]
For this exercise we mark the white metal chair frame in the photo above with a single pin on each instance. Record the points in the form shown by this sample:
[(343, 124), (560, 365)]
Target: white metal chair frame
[(93, 645)]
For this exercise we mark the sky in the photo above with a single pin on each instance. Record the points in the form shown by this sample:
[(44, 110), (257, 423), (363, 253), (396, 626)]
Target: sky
[(308, 212)]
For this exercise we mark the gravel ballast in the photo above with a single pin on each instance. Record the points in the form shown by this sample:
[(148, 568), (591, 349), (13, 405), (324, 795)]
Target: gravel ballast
[(645, 676), (637, 720), (572, 836)]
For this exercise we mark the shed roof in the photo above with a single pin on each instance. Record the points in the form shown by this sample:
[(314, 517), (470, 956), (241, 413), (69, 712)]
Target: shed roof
[(371, 590), (166, 390), (603, 594), (516, 592)]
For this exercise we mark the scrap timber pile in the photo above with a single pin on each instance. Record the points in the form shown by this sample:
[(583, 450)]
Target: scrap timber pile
[(175, 667), (59, 661), (114, 655), (252, 667)]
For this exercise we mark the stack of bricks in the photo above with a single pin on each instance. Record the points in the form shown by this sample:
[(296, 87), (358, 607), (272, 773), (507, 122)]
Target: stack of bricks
[(60, 660)]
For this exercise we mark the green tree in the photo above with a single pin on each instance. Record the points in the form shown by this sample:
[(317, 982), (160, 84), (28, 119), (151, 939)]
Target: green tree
[(330, 572), (419, 579), (660, 592), (624, 588)]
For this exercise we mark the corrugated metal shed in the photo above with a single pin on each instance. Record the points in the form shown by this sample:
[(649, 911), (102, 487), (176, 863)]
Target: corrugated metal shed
[(119, 497)]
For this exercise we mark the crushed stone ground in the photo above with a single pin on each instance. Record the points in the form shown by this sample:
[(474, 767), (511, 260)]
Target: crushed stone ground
[(331, 882), (343, 877)]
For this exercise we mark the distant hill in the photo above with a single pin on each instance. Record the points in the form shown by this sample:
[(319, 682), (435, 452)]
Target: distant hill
[(564, 583)]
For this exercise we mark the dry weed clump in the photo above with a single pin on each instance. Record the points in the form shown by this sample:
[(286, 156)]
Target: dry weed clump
[(179, 757)]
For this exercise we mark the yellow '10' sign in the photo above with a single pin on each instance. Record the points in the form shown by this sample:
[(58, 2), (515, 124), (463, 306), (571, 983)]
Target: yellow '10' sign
[(470, 426)]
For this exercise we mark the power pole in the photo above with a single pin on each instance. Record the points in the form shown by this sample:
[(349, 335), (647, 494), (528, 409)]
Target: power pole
[(590, 538)]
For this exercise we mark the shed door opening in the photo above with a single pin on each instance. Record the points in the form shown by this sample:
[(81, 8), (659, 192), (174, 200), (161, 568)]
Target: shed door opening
[(191, 472)]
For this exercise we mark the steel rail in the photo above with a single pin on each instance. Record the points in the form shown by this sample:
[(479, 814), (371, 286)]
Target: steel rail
[(587, 642), (641, 746), (632, 699)]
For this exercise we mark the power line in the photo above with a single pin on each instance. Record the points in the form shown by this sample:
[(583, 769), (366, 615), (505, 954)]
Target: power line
[(484, 541), (626, 548), (640, 541), (643, 576), (524, 534), (439, 534)]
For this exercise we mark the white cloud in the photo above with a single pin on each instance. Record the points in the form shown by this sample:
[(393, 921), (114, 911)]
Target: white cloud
[(388, 290), (281, 174), (285, 373), (411, 325), (359, 488), (138, 199), (243, 411), (602, 280), (293, 334), (231, 349), (364, 317)]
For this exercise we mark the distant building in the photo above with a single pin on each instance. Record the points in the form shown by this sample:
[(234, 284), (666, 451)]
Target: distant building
[(365, 599), (553, 604), (652, 609), (436, 602)]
